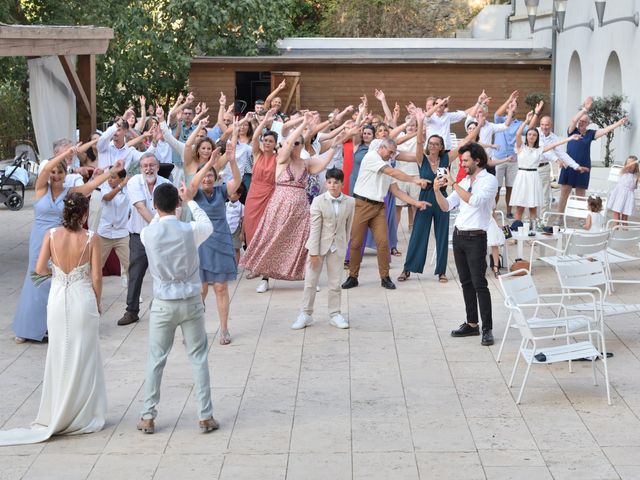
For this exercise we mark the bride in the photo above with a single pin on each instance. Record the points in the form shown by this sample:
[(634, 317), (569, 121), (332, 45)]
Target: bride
[(73, 391)]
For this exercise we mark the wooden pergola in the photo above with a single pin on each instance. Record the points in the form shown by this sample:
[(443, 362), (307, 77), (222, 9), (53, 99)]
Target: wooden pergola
[(86, 42)]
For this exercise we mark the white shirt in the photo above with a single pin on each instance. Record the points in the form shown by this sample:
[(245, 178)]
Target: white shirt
[(410, 168), (442, 125), (486, 134), (235, 212), (372, 183), (243, 158), (109, 154), (139, 192), (115, 213), (475, 215), (597, 222), (558, 153)]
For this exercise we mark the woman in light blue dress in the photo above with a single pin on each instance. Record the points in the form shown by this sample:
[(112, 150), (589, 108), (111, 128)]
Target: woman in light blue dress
[(30, 321), (217, 255)]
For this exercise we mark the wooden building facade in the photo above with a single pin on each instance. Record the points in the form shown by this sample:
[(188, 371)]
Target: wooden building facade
[(327, 80)]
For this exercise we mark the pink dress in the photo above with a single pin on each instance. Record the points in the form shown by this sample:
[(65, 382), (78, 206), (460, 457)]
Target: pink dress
[(277, 249)]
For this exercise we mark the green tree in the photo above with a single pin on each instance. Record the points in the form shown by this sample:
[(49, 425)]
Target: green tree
[(605, 111)]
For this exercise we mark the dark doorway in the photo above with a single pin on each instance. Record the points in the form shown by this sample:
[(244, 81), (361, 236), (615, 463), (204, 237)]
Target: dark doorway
[(251, 86)]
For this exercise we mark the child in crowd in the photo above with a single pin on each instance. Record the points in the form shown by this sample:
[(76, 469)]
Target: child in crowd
[(331, 218), (112, 229), (621, 198), (235, 214), (595, 220)]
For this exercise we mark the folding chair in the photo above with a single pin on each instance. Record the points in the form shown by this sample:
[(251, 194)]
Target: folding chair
[(518, 286), (577, 209), (625, 236), (532, 352)]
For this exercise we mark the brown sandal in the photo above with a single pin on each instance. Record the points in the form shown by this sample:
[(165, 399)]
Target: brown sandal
[(404, 276), (395, 252), (442, 278)]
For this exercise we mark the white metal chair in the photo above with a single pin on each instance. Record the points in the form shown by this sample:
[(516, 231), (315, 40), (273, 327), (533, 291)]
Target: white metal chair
[(577, 209), (518, 286), (577, 245), (582, 275), (532, 352), (625, 236)]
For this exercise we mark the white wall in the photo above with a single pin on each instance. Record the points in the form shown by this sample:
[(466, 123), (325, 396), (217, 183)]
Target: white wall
[(594, 50)]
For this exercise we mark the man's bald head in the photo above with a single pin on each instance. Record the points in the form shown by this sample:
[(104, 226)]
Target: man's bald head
[(546, 125)]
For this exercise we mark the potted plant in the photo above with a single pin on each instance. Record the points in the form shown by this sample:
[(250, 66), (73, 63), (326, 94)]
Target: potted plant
[(606, 111)]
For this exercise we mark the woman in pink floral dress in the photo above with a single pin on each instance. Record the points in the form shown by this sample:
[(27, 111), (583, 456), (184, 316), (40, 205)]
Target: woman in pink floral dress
[(277, 249)]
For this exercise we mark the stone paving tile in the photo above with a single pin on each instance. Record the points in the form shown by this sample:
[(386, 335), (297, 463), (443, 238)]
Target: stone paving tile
[(393, 397)]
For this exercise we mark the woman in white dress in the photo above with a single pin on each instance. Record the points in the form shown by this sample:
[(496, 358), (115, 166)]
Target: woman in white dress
[(73, 390), (527, 188)]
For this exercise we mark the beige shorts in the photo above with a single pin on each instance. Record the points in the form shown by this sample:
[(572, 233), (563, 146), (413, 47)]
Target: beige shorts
[(410, 189), (506, 173)]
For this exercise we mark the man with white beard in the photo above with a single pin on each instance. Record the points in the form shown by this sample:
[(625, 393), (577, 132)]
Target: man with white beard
[(140, 188)]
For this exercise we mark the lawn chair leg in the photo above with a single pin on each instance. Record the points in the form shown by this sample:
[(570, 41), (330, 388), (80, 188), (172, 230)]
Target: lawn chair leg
[(504, 337), (606, 374), (593, 369), (524, 382), (515, 365)]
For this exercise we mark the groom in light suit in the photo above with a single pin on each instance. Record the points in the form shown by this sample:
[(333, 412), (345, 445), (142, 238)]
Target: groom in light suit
[(331, 219), (172, 250)]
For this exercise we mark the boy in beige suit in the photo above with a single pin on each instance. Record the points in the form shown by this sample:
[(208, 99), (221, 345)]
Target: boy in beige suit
[(331, 219)]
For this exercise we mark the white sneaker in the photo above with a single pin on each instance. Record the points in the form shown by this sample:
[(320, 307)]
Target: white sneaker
[(338, 321), (263, 286), (302, 321), (125, 281), (317, 288)]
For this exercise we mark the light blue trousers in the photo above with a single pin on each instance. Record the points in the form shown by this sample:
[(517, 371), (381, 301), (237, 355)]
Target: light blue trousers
[(165, 316)]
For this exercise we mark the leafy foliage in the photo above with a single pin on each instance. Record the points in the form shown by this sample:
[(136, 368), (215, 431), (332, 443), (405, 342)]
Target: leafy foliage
[(533, 99), (605, 111)]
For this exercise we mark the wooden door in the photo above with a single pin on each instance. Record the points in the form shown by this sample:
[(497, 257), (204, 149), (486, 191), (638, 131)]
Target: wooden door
[(291, 94)]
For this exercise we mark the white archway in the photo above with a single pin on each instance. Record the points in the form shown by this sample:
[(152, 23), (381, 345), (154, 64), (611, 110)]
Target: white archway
[(574, 86), (612, 84)]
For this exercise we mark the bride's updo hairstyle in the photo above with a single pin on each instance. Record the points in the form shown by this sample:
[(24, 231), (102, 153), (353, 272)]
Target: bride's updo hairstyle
[(76, 206)]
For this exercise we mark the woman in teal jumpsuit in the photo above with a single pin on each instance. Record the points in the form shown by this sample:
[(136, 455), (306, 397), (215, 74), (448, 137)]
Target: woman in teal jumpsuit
[(428, 164)]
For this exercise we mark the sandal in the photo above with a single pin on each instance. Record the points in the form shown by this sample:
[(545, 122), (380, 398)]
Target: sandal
[(395, 252), (496, 271), (442, 278), (404, 276), (251, 275), (225, 338)]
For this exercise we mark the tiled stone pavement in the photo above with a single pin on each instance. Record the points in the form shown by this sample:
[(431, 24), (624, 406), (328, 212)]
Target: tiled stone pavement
[(394, 397)]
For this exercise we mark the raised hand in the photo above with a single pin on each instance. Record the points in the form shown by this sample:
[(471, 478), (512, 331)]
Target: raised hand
[(379, 94), (514, 96), (249, 116), (143, 102), (364, 100), (483, 98), (396, 110), (282, 85), (223, 99), (419, 114), (529, 116), (119, 165), (180, 99), (190, 98), (204, 108), (588, 102), (185, 194), (204, 122), (539, 107), (159, 113), (198, 108), (230, 108), (410, 108), (512, 106)]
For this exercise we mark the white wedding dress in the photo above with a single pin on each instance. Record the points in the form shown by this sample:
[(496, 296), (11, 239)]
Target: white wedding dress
[(73, 390)]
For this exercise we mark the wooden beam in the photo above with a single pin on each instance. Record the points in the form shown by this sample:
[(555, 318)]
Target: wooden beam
[(87, 75), (81, 97), (30, 41)]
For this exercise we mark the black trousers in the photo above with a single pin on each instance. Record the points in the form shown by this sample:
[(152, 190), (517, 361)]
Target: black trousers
[(470, 254), (138, 265)]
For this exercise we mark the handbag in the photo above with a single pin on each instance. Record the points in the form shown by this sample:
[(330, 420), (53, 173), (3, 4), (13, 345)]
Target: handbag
[(518, 264)]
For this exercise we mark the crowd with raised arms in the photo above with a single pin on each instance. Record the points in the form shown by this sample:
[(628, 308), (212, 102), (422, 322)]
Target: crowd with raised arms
[(282, 193)]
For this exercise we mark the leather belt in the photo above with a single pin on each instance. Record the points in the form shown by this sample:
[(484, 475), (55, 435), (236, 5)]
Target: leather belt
[(368, 200), (528, 169), (543, 164), (469, 233)]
